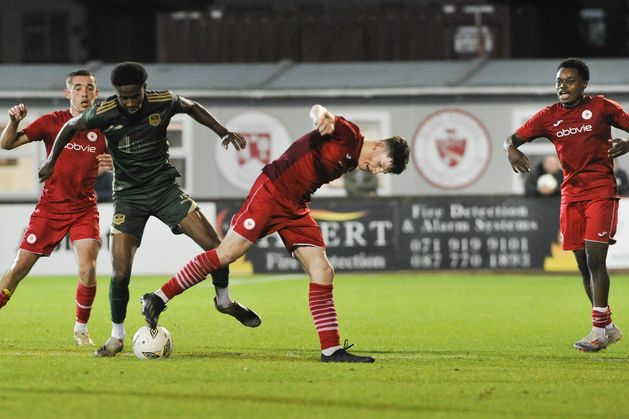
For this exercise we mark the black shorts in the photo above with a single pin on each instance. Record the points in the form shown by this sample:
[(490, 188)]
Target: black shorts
[(167, 202)]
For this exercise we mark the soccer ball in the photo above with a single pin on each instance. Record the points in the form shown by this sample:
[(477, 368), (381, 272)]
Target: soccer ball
[(152, 343)]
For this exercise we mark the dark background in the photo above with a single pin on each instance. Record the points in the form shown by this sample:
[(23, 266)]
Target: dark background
[(197, 31)]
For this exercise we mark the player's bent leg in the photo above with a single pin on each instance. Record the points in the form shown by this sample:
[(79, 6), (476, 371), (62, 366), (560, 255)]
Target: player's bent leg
[(232, 248), (199, 229), (322, 308)]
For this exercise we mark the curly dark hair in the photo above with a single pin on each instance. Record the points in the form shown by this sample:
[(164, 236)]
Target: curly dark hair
[(577, 64), (398, 152), (128, 73)]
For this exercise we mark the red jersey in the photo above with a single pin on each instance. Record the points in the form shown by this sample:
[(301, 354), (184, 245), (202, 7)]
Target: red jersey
[(71, 186), (314, 160), (580, 136)]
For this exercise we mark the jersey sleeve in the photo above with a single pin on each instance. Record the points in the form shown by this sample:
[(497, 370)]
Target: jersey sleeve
[(175, 103), (99, 116), (89, 117), (346, 130), (534, 127), (38, 129), (617, 116)]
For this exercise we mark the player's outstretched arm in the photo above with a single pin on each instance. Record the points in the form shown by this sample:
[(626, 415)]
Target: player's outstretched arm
[(10, 137), (67, 131), (323, 119), (200, 114), (518, 160)]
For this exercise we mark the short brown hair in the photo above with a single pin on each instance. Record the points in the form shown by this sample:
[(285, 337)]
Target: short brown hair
[(76, 73)]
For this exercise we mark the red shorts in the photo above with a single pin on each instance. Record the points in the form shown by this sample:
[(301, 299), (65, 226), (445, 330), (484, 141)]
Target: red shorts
[(46, 229), (265, 212), (588, 220)]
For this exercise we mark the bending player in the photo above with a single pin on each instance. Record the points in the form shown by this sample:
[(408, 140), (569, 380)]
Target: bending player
[(278, 202)]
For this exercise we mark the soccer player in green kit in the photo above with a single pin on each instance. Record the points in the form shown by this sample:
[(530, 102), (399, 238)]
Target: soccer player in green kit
[(135, 122)]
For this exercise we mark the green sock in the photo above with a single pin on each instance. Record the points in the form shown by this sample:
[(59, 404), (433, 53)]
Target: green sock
[(118, 300)]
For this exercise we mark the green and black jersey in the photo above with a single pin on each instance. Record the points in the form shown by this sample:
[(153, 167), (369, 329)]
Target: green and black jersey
[(138, 143)]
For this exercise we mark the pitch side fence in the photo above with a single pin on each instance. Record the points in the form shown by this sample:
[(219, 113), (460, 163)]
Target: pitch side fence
[(418, 233)]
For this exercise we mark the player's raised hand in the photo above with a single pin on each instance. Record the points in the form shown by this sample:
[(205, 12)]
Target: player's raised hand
[(323, 119), (239, 142), (618, 147), (18, 112), (325, 123), (519, 162)]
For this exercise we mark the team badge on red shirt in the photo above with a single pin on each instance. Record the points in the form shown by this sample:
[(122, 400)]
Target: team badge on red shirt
[(249, 224)]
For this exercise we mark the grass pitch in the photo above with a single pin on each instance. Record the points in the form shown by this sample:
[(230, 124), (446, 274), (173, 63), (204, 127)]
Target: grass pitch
[(455, 345)]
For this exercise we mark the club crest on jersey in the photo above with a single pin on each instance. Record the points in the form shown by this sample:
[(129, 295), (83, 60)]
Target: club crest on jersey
[(586, 114), (118, 219), (92, 136), (155, 119), (249, 224)]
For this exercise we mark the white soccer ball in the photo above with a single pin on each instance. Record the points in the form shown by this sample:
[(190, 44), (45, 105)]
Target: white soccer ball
[(547, 183), (152, 343)]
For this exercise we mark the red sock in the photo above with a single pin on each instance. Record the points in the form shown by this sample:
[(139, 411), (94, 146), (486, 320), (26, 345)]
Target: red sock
[(195, 271), (601, 319), (84, 299), (5, 295), (324, 314)]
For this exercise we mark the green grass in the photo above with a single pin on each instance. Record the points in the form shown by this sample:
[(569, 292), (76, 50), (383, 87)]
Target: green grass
[(455, 345)]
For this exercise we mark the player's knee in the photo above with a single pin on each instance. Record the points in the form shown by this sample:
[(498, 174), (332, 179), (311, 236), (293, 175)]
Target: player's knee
[(87, 275), (120, 275), (323, 274)]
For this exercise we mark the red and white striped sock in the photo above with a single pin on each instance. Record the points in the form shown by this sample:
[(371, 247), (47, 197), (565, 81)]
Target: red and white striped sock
[(601, 317), (84, 300), (324, 315), (195, 271)]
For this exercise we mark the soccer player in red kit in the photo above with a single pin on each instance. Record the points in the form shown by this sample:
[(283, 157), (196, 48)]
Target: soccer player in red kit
[(579, 126), (67, 204), (278, 202)]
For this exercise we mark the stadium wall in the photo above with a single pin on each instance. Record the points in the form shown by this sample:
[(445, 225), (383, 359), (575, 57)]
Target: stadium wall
[(410, 233), (456, 143)]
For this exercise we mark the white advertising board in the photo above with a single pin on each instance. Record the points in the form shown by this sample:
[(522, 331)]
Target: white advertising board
[(161, 252)]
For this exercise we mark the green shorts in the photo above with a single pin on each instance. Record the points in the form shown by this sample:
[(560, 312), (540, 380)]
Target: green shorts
[(167, 202)]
